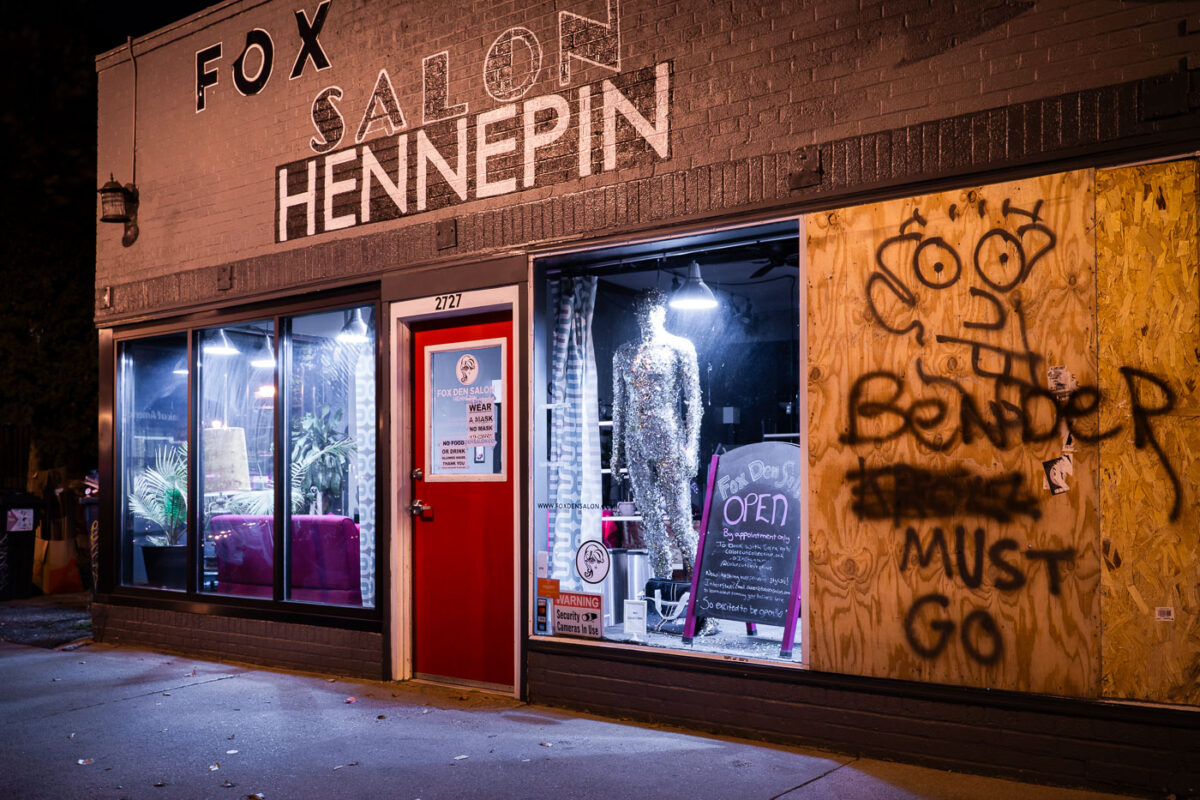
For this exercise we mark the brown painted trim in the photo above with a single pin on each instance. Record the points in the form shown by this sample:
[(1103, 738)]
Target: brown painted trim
[(460, 276), (109, 559), (383, 484), (287, 303)]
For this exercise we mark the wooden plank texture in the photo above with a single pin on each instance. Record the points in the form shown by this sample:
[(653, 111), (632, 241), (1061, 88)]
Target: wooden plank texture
[(933, 322), (1148, 282)]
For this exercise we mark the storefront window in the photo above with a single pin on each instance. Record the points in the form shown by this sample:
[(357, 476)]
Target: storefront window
[(666, 364), (323, 436), (331, 447), (152, 413), (236, 473)]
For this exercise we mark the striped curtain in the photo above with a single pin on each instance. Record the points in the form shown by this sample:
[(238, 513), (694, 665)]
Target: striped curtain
[(575, 490)]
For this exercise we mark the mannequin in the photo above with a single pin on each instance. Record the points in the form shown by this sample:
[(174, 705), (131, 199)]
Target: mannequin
[(656, 439)]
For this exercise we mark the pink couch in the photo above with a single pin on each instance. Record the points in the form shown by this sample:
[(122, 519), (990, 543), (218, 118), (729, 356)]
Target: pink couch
[(325, 558)]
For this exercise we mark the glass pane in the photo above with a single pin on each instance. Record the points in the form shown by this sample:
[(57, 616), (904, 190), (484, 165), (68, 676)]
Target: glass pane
[(235, 459), (655, 358), (152, 461), (464, 438), (331, 453)]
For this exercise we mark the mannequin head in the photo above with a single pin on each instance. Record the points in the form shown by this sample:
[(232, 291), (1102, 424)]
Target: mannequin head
[(651, 307)]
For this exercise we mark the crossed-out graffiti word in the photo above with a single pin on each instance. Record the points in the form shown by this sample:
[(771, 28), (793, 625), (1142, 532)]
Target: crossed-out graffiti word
[(979, 634), (903, 491)]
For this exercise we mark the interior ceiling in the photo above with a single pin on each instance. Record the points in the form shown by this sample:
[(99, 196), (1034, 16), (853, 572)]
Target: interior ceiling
[(756, 264), (765, 274)]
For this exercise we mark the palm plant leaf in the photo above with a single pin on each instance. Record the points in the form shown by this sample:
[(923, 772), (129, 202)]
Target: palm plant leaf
[(159, 493)]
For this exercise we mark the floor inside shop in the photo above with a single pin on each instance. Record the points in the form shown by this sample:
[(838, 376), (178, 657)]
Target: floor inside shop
[(729, 639)]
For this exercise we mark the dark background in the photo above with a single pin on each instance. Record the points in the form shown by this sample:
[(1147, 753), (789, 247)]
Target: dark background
[(48, 344)]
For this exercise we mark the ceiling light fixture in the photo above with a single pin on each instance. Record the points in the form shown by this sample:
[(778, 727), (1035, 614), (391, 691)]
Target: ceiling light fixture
[(265, 358), (694, 295), (355, 330), (221, 346)]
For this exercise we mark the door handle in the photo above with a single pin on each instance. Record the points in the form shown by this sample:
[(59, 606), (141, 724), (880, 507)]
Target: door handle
[(419, 509)]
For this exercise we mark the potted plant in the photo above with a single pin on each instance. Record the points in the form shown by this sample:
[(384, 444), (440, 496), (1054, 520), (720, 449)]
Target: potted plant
[(159, 497), (321, 450)]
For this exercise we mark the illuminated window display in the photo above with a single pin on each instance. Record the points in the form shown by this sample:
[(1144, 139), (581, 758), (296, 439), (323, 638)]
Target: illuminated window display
[(323, 366), (656, 358), (153, 458)]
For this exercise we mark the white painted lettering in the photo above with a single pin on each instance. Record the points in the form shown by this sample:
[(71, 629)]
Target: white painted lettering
[(485, 150), (532, 139), (334, 188), (382, 107), (427, 154), (657, 135), (371, 170), (589, 41), (307, 198)]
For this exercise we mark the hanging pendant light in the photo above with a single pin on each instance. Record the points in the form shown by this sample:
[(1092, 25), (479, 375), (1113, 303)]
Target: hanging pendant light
[(265, 357), (221, 346), (355, 330), (694, 295)]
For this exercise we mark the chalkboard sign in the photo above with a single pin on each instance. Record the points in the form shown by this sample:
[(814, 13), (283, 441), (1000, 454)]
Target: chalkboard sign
[(748, 556)]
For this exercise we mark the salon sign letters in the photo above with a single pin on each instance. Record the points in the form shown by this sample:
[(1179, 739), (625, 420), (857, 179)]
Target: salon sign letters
[(377, 159)]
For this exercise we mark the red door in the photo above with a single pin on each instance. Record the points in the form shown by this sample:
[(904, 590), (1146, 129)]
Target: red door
[(464, 612)]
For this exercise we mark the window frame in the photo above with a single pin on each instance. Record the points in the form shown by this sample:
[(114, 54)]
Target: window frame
[(191, 599), (536, 277)]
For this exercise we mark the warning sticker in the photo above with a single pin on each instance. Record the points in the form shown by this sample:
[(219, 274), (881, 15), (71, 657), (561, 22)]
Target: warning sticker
[(579, 614)]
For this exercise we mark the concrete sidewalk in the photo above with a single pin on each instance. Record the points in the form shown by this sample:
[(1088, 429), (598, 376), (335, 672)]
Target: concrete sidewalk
[(105, 722)]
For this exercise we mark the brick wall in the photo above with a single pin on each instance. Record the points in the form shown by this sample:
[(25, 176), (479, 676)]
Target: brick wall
[(1042, 739), (888, 93), (310, 648)]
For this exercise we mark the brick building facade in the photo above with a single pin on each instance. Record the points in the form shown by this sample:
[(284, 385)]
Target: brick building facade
[(998, 556)]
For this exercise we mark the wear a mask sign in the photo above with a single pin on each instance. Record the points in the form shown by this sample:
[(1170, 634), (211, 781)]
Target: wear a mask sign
[(466, 392)]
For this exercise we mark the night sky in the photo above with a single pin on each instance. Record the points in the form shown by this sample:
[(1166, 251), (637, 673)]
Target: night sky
[(48, 350)]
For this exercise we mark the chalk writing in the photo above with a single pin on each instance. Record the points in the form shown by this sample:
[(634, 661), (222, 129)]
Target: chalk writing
[(748, 556)]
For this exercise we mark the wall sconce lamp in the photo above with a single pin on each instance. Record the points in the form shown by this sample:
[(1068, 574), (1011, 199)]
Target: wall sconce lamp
[(117, 203), (120, 203), (694, 295)]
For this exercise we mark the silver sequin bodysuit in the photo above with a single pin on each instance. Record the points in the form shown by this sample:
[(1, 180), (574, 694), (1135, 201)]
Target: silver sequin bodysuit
[(652, 378)]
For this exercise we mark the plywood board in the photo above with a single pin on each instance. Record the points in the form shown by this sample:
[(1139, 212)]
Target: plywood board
[(932, 322), (1148, 279)]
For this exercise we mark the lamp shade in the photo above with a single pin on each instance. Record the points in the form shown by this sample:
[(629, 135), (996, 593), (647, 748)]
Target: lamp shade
[(355, 330), (694, 294), (265, 357), (226, 468), (220, 346)]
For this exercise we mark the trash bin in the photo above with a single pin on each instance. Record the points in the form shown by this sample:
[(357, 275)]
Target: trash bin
[(626, 577), (20, 513), (89, 508)]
